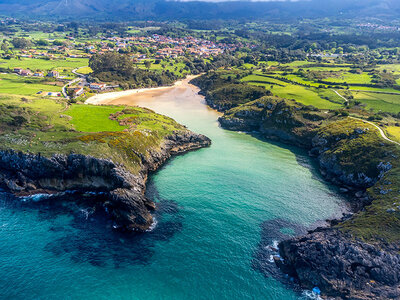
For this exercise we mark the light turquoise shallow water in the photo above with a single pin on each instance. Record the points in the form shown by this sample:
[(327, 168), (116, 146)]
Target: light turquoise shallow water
[(213, 205)]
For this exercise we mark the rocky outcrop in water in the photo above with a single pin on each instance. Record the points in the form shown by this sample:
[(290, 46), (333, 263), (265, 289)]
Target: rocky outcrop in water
[(26, 174), (343, 268)]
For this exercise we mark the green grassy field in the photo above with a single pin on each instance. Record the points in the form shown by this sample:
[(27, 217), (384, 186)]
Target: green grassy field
[(393, 132), (44, 65), (91, 118), (307, 96), (302, 80), (85, 70), (379, 102), (351, 78), (14, 84)]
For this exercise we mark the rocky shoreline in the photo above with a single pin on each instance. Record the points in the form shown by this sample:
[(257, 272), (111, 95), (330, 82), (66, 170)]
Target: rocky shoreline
[(25, 174), (339, 265)]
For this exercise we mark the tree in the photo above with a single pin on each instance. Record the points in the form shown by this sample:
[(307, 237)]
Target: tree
[(147, 64), (4, 46), (42, 43), (21, 43)]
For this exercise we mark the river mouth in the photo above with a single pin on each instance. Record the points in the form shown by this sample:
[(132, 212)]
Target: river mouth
[(218, 208)]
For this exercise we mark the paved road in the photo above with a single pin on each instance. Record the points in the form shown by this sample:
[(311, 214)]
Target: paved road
[(81, 78)]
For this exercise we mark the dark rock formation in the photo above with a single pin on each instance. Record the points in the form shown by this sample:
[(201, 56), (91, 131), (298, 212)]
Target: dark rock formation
[(341, 267), (338, 265), (27, 174)]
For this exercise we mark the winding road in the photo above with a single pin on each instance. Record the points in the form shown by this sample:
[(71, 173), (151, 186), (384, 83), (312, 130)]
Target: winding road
[(380, 130), (80, 77), (373, 124)]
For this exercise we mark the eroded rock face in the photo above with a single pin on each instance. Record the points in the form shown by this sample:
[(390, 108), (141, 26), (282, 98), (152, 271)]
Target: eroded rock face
[(342, 267), (27, 174)]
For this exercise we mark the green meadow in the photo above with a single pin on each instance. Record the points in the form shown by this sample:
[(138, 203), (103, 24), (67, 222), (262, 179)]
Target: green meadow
[(308, 96), (379, 102), (14, 84), (43, 64)]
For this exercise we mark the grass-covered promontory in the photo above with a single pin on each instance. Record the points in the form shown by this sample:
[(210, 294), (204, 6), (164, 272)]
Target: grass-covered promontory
[(48, 126), (351, 152)]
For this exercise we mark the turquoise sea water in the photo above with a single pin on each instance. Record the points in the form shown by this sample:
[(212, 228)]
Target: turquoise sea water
[(218, 207)]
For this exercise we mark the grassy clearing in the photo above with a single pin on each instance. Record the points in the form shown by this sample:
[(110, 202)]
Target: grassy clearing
[(14, 84), (379, 102), (265, 81), (393, 132), (91, 118), (42, 64), (306, 96), (351, 78), (390, 68), (176, 68), (85, 70), (373, 89), (302, 80)]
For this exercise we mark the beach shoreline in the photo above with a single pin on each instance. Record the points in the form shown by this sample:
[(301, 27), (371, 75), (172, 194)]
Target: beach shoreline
[(106, 98)]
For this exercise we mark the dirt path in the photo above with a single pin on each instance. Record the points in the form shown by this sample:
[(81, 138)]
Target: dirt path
[(345, 99), (380, 130), (373, 124)]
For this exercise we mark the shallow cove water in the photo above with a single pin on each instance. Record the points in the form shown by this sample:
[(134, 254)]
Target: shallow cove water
[(218, 207)]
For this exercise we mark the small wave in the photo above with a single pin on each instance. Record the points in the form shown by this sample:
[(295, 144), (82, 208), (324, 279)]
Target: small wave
[(86, 212), (36, 197), (307, 295), (153, 225)]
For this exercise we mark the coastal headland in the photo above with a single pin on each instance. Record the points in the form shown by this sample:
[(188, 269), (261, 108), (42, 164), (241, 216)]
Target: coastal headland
[(103, 151), (355, 257)]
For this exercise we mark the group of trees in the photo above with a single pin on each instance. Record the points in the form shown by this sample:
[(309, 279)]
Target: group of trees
[(119, 69), (21, 43)]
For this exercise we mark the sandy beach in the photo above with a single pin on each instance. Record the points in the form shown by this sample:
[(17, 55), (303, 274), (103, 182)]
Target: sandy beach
[(109, 98)]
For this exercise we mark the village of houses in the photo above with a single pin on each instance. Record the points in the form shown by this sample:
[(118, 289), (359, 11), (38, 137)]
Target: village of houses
[(159, 47)]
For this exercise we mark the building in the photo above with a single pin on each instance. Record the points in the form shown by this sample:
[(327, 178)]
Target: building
[(75, 91), (54, 74), (25, 73), (97, 86), (18, 70), (38, 74)]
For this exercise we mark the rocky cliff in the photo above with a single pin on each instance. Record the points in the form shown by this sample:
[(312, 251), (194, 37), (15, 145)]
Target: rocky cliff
[(356, 257), (123, 191), (343, 268)]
